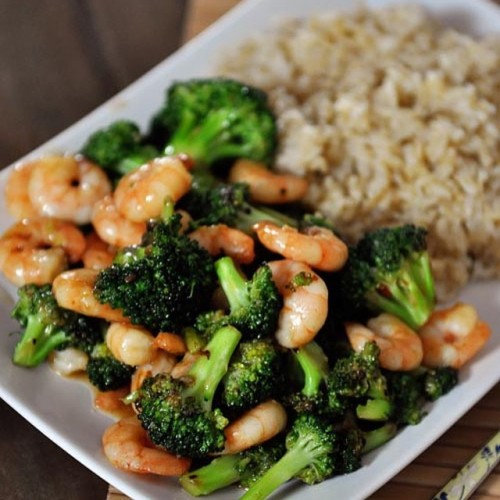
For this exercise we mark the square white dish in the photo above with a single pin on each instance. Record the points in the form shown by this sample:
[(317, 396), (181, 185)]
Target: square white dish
[(62, 409)]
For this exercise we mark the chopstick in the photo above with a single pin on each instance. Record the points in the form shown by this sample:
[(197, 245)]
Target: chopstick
[(463, 484)]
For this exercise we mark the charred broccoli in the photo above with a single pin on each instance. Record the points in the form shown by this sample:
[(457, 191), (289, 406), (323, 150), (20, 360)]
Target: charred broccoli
[(254, 304), (178, 413), (356, 382), (389, 271), (105, 372), (229, 204), (255, 374), (161, 284), (311, 447), (243, 468), (410, 390), (312, 368), (46, 326)]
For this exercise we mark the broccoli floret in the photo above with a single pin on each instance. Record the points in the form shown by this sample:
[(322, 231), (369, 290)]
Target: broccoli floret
[(389, 271), (244, 468), (228, 204), (254, 304), (254, 375), (46, 326), (105, 372), (311, 447), (312, 365), (178, 413), (406, 392), (379, 436), (207, 323), (161, 284), (438, 381), (410, 390), (216, 119), (350, 448), (357, 382), (118, 148)]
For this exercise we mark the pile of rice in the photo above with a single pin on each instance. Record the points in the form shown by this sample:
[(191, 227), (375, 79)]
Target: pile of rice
[(393, 119)]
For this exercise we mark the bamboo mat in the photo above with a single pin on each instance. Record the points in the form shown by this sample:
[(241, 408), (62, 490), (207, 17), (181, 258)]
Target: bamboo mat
[(429, 472)]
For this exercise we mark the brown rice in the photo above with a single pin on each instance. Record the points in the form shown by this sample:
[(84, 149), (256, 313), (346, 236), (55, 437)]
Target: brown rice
[(393, 119)]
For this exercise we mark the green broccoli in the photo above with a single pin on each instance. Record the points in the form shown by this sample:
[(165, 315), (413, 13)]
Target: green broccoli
[(350, 448), (410, 390), (312, 367), (243, 468), (118, 148), (254, 304), (378, 436), (215, 119), (46, 326), (105, 372), (311, 447), (357, 382), (438, 381), (228, 204), (389, 271), (178, 414), (254, 375), (161, 284)]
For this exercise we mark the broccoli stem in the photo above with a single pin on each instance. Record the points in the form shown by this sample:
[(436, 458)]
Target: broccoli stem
[(219, 473), (420, 268), (36, 344), (247, 219), (378, 437), (403, 297), (304, 452), (232, 282), (200, 143), (210, 368), (314, 365), (375, 410), (194, 341)]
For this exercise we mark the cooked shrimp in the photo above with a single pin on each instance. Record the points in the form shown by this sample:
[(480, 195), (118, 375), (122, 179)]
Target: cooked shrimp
[(171, 343), (67, 187), (112, 227), (316, 246), (130, 344), (266, 186), (127, 446), (17, 198), (255, 426), (221, 239), (305, 302), (400, 347), (162, 362), (68, 361), (141, 194), (98, 254), (453, 336), (185, 219), (74, 290), (36, 250), (113, 402)]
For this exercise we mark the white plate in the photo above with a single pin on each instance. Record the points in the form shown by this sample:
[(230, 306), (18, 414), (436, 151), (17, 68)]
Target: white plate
[(62, 409)]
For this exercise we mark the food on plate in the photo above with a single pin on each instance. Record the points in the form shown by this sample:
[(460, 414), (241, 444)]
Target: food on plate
[(392, 119), (389, 271), (253, 344)]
